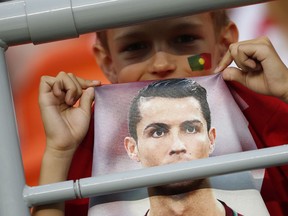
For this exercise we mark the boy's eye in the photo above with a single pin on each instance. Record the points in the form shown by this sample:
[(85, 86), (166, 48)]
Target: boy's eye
[(186, 44), (185, 39), (135, 47)]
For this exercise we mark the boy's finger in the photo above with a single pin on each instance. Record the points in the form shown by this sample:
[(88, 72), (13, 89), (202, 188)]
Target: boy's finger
[(88, 83), (71, 86), (76, 83), (225, 62), (234, 74), (64, 86), (251, 56), (46, 83), (87, 100)]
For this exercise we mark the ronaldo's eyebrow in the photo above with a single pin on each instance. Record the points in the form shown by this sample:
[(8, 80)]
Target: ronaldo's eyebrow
[(195, 122), (157, 126)]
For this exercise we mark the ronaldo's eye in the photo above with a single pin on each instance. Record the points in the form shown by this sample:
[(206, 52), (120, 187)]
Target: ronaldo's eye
[(191, 129), (158, 133)]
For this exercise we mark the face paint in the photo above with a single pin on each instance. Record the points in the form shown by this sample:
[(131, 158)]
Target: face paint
[(200, 62)]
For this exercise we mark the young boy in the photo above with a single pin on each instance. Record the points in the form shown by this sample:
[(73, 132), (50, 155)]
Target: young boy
[(151, 51)]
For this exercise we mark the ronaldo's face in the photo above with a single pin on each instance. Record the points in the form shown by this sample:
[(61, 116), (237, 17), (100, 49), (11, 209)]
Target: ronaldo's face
[(171, 130)]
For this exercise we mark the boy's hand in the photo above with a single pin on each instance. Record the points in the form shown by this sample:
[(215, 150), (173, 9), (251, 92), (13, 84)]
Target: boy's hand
[(65, 123), (260, 67)]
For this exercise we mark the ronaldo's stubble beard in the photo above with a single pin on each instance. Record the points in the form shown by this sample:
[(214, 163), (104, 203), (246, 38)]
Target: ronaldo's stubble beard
[(179, 187)]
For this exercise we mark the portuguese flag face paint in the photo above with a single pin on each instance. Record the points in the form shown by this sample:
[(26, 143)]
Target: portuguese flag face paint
[(200, 62)]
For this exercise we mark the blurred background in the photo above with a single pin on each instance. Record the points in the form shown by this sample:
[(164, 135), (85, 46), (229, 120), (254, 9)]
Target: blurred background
[(27, 63)]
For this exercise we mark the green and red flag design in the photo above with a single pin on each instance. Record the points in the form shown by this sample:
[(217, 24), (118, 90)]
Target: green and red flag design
[(200, 62)]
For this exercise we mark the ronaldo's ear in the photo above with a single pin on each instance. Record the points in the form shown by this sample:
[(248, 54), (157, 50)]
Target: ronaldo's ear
[(131, 148), (212, 138), (104, 61), (228, 35)]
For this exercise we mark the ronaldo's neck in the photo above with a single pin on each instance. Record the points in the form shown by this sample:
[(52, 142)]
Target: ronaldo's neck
[(199, 201)]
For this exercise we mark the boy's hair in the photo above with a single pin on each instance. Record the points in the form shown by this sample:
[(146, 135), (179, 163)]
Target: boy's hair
[(220, 19), (170, 88)]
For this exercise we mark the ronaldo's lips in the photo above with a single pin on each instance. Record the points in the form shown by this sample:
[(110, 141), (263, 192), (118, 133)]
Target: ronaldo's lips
[(179, 160)]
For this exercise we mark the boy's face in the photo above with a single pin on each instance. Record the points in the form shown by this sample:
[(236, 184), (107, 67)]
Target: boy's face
[(159, 49)]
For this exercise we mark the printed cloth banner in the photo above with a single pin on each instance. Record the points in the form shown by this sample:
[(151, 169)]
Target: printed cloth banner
[(168, 126)]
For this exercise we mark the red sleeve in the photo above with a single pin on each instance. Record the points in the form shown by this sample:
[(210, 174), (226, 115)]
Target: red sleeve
[(81, 167), (268, 123)]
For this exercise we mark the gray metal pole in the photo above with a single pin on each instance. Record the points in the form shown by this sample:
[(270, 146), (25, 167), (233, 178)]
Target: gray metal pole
[(41, 21), (92, 15), (154, 176), (12, 180)]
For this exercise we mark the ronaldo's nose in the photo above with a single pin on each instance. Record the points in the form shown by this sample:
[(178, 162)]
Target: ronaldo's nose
[(162, 64), (178, 146)]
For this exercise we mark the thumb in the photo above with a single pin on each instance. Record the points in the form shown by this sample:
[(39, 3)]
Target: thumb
[(87, 99), (234, 74)]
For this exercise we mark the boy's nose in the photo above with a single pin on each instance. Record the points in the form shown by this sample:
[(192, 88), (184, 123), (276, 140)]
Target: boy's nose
[(162, 64), (178, 146)]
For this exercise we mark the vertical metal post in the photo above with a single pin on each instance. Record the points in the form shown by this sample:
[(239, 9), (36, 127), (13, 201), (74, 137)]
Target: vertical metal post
[(12, 179)]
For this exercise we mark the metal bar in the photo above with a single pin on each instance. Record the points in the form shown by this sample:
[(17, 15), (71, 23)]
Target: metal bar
[(159, 175), (52, 193), (114, 13), (40, 21), (11, 168)]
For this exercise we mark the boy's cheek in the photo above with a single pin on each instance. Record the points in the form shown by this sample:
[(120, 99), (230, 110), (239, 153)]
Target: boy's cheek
[(140, 71), (131, 73)]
